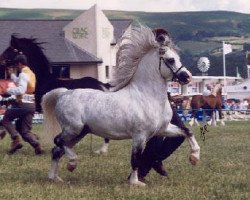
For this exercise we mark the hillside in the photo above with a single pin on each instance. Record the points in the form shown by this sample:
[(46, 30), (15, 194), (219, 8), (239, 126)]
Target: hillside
[(196, 33)]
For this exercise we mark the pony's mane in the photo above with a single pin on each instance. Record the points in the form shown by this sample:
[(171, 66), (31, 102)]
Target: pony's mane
[(38, 62), (132, 47), (35, 45)]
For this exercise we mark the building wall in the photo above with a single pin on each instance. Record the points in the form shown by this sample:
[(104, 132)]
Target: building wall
[(239, 91), (79, 71), (93, 32), (105, 36), (82, 31)]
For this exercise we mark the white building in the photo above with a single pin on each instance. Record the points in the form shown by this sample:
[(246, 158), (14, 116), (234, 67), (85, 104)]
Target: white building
[(93, 32)]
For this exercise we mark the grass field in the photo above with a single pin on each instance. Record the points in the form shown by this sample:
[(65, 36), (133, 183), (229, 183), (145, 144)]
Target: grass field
[(223, 173)]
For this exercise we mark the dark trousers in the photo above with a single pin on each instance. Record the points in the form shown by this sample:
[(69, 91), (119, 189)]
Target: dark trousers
[(159, 148), (23, 113)]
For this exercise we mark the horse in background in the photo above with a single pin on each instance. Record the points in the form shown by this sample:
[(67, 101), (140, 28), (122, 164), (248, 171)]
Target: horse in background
[(213, 101), (39, 64)]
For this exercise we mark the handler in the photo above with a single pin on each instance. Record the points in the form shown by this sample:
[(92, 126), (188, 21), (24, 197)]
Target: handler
[(160, 148), (23, 109)]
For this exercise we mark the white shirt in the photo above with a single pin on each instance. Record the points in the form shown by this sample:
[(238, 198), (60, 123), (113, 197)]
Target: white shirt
[(206, 92), (22, 83)]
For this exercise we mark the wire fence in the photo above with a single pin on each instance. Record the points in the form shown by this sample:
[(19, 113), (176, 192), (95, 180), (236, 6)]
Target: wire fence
[(206, 114)]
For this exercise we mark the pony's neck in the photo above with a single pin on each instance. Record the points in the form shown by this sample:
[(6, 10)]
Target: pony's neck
[(216, 91), (38, 63), (147, 78)]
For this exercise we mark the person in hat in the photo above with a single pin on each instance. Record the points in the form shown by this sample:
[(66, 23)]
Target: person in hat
[(23, 109), (160, 148)]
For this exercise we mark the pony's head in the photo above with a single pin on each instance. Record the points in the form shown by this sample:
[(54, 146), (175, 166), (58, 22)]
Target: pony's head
[(169, 59), (29, 47), (140, 46), (7, 57)]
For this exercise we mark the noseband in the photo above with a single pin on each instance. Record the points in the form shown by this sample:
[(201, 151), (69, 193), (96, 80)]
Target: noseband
[(167, 64)]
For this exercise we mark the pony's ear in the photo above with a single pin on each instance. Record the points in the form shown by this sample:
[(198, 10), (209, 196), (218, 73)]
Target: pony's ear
[(160, 35), (13, 40)]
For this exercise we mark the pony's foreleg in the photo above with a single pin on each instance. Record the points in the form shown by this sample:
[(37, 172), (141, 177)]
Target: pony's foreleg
[(57, 152), (191, 123), (137, 149), (104, 147), (213, 123), (195, 150), (173, 131), (221, 118), (193, 119)]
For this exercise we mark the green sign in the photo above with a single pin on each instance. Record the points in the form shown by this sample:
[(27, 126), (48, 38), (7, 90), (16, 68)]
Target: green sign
[(80, 33)]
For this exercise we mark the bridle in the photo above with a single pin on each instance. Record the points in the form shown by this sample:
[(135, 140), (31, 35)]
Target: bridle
[(161, 58), (6, 61)]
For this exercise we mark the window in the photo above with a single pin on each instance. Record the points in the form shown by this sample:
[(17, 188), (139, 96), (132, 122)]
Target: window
[(248, 71), (107, 71), (61, 71)]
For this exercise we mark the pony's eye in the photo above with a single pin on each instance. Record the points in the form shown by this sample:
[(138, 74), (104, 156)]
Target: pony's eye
[(171, 61), (162, 51)]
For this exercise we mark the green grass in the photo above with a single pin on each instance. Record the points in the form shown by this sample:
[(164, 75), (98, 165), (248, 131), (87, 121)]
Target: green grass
[(223, 173)]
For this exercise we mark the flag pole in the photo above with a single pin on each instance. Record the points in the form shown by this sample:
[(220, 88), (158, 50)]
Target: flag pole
[(224, 66)]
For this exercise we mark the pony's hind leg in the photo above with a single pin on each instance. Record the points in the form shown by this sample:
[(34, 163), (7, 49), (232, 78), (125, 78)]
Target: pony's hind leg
[(70, 152), (57, 152), (137, 149), (63, 144), (104, 147)]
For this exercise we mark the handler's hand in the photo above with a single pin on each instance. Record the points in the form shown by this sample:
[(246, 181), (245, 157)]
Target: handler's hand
[(5, 95), (10, 70)]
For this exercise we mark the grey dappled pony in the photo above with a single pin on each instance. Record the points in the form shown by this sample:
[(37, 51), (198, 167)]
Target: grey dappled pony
[(137, 108)]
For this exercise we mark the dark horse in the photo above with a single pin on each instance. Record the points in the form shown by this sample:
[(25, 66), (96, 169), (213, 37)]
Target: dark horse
[(213, 101), (39, 64)]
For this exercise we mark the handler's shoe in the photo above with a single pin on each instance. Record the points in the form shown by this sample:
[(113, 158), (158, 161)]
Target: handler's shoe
[(159, 168), (39, 150), (2, 134), (15, 145)]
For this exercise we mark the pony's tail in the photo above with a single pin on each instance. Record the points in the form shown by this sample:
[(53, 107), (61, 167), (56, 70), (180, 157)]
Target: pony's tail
[(51, 126)]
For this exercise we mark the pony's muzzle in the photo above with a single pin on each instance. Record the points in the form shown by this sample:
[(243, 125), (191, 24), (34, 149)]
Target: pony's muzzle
[(184, 77)]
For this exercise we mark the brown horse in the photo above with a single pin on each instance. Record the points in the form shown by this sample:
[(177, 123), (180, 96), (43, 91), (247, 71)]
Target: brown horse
[(212, 101)]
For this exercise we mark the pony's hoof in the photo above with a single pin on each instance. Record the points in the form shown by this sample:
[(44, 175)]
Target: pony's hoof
[(56, 179), (137, 183), (71, 167), (193, 159), (99, 152)]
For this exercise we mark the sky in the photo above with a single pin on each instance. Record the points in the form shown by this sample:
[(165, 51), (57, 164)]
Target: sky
[(242, 6)]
